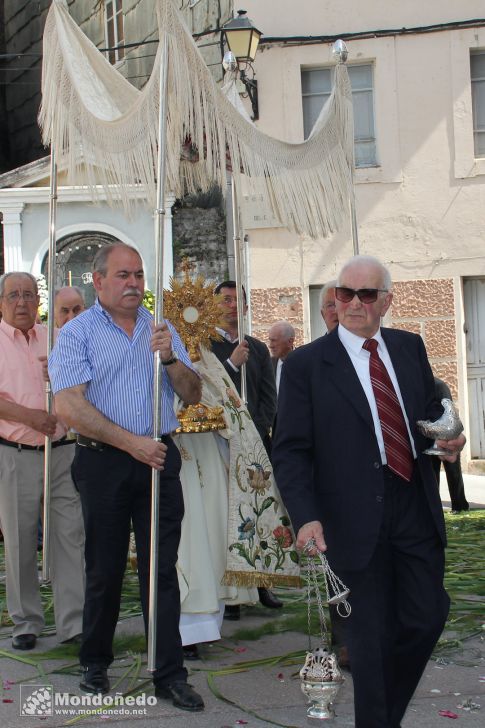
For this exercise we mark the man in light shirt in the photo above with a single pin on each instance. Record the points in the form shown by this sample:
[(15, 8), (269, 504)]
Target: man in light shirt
[(101, 370), (281, 338), (24, 423), (350, 467)]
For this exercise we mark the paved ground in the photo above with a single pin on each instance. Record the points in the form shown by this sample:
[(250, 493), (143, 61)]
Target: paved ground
[(262, 695), (474, 490)]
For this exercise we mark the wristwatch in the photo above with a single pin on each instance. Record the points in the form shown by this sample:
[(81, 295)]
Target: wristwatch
[(172, 360)]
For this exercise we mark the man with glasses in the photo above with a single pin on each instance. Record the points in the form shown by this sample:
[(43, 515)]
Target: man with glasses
[(24, 423), (328, 310), (232, 353), (350, 467), (327, 305), (261, 388)]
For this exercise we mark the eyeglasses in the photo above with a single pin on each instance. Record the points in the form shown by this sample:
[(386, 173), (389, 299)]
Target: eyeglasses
[(365, 295), (15, 296)]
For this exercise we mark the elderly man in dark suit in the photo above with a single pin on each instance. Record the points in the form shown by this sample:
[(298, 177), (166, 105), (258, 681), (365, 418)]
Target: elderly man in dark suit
[(281, 340), (349, 465)]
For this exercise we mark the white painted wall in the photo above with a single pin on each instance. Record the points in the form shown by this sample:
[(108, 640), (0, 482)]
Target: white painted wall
[(327, 17), (422, 208), (28, 233)]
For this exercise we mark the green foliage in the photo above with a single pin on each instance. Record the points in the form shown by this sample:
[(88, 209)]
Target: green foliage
[(44, 298), (464, 581), (149, 301)]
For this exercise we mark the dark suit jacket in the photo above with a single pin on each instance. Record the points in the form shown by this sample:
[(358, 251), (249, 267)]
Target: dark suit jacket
[(325, 452), (260, 380)]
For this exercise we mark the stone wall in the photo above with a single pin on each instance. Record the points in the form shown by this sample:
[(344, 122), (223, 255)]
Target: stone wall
[(21, 30), (427, 308), (200, 235), (269, 305)]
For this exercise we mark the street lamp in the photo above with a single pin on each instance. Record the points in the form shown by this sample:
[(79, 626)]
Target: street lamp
[(242, 39)]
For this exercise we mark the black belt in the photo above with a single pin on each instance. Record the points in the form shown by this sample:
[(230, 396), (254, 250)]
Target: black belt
[(100, 446), (93, 444), (40, 448)]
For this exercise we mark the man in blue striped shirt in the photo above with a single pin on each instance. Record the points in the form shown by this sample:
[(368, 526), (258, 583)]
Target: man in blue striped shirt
[(101, 371)]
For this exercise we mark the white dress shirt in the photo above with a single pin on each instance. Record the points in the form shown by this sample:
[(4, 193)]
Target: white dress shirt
[(360, 359), (227, 336), (278, 374)]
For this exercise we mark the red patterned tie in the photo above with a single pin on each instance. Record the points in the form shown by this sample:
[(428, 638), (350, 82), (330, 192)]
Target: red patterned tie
[(394, 431)]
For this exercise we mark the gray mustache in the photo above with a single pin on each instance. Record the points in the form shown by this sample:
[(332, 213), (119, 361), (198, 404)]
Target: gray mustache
[(132, 292)]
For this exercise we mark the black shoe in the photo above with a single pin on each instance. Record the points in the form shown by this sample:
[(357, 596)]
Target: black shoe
[(233, 613), (268, 599), (459, 508), (182, 696), (75, 640), (191, 652), (24, 642), (95, 680)]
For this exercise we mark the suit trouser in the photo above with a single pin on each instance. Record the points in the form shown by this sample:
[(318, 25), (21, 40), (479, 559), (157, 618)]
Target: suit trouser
[(454, 478), (21, 488), (115, 490), (399, 607)]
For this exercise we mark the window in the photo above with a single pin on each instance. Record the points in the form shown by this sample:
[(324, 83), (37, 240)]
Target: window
[(115, 33), (477, 72), (316, 88)]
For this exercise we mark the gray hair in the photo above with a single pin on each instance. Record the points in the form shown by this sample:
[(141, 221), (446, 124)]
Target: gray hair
[(287, 330), (78, 290), (100, 262), (368, 260), (327, 287), (4, 277)]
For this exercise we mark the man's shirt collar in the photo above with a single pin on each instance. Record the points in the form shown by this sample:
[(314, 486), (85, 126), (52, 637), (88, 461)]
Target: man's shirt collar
[(353, 342), (101, 311), (13, 331), (226, 335)]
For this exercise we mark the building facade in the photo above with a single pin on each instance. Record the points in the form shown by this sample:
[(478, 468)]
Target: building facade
[(127, 32), (418, 81)]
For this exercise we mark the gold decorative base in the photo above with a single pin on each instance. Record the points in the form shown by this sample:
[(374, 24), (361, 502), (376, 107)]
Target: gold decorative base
[(200, 418)]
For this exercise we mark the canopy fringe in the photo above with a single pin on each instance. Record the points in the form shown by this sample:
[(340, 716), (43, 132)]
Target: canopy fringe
[(105, 130)]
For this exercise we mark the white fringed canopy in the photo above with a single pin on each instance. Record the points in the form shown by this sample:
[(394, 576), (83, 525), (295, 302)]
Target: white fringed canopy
[(105, 131)]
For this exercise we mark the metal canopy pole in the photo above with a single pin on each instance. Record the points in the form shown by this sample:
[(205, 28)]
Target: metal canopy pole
[(158, 368), (236, 226), (247, 283), (340, 53), (353, 222), (50, 343)]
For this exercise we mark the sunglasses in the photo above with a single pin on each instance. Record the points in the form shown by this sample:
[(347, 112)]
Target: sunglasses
[(365, 295)]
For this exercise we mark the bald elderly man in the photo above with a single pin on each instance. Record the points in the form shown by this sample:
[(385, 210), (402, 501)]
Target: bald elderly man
[(281, 340), (68, 303), (349, 463), (327, 305)]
